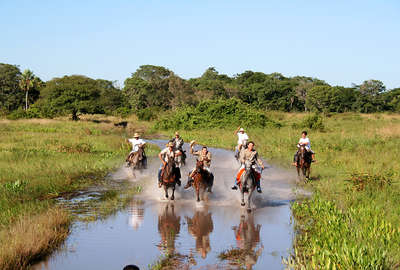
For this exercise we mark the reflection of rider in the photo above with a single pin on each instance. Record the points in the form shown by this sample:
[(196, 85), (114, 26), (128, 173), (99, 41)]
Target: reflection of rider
[(200, 226), (249, 155), (247, 236), (304, 140), (137, 214), (136, 144), (242, 140), (169, 226), (205, 156), (164, 155)]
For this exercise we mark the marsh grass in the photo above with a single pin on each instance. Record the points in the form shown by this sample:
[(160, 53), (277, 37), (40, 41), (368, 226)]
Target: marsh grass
[(353, 222), (39, 161)]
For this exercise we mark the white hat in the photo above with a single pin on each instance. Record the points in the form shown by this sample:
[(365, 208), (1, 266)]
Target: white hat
[(136, 135), (241, 129)]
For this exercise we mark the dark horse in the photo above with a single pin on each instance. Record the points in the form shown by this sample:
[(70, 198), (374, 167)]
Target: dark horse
[(169, 177), (202, 179), (247, 184), (138, 159), (303, 163)]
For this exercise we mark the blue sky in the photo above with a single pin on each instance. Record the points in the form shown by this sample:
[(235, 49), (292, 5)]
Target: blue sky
[(341, 42)]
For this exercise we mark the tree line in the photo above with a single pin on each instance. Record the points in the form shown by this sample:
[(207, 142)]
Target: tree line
[(151, 89)]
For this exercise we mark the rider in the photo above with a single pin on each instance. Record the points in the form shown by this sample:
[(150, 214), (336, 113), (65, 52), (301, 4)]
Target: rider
[(249, 155), (136, 144), (178, 144), (205, 156), (163, 156), (304, 140), (242, 140)]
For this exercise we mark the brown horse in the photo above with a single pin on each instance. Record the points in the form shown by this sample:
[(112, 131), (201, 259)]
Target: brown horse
[(303, 163), (202, 179), (247, 184), (169, 177), (137, 160), (200, 226)]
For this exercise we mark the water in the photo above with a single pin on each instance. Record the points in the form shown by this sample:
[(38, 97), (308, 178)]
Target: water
[(152, 226)]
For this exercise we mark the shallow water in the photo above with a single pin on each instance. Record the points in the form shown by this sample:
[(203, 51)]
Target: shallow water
[(152, 226)]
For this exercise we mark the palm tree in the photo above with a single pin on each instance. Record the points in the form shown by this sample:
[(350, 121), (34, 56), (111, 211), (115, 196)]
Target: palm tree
[(27, 82)]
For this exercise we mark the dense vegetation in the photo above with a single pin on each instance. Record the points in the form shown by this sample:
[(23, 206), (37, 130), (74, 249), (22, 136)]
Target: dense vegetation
[(155, 88)]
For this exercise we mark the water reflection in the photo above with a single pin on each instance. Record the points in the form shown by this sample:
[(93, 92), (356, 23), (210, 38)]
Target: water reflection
[(247, 236), (169, 226), (136, 211), (200, 226)]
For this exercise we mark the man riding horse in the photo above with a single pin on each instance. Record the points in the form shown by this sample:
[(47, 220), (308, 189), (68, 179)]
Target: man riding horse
[(305, 141), (165, 155), (249, 155), (178, 148), (204, 156), (242, 141), (137, 144)]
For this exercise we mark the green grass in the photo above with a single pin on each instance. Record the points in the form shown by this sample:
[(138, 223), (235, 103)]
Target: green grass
[(43, 159), (343, 226)]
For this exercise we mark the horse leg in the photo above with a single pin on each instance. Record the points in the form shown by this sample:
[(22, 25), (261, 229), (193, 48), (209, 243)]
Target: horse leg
[(173, 193), (198, 192), (242, 191), (166, 191), (249, 199)]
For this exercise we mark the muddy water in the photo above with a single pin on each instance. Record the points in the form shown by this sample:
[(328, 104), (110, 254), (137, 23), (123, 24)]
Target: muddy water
[(153, 226)]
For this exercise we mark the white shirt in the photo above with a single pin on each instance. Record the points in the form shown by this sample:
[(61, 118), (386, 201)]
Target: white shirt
[(242, 138), (135, 144), (165, 153), (305, 141)]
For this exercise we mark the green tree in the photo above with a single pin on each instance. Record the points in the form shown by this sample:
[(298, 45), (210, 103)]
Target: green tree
[(71, 95), (27, 82)]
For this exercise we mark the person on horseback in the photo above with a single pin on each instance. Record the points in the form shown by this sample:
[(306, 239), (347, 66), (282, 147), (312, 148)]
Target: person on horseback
[(136, 144), (164, 156), (304, 140), (205, 156), (249, 155), (178, 148), (242, 140)]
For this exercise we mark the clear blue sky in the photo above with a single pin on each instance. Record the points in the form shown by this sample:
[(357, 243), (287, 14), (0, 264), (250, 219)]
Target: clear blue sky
[(342, 42)]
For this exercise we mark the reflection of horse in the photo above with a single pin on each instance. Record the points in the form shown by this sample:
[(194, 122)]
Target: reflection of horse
[(169, 176), (169, 227), (200, 226), (247, 184), (303, 163), (247, 236), (137, 160), (202, 179)]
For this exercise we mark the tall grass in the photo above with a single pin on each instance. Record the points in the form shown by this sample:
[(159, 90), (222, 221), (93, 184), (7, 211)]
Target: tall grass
[(353, 222), (40, 160)]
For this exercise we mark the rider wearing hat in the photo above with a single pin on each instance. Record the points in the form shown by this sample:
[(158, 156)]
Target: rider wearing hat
[(249, 155), (242, 140), (204, 156), (136, 144), (164, 155)]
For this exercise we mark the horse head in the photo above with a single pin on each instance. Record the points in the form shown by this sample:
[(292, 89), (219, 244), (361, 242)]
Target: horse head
[(199, 166)]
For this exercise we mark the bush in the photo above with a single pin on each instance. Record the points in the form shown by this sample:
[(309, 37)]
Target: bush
[(313, 121), (32, 112), (148, 114), (215, 113)]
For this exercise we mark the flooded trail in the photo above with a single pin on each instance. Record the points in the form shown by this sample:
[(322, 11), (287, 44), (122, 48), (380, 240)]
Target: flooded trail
[(152, 226)]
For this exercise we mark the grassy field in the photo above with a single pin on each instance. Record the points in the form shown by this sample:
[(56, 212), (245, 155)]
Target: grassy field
[(41, 160), (352, 221)]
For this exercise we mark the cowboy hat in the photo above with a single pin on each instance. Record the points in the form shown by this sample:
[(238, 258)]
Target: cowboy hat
[(170, 144), (241, 129), (176, 133), (192, 142), (136, 135)]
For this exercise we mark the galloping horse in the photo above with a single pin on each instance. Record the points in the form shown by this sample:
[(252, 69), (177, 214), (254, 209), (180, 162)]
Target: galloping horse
[(247, 184), (202, 179), (303, 163), (169, 177), (137, 160)]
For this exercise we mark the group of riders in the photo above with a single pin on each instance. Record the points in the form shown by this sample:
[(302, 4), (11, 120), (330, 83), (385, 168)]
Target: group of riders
[(245, 153)]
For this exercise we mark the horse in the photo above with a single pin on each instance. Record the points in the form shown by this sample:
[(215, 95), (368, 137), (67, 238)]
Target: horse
[(303, 163), (202, 179), (247, 184), (137, 160), (180, 160), (169, 177)]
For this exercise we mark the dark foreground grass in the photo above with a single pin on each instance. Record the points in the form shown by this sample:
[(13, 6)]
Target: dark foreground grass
[(41, 160), (352, 221)]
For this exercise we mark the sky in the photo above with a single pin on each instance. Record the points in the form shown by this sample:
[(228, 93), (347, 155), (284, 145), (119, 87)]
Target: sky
[(341, 42)]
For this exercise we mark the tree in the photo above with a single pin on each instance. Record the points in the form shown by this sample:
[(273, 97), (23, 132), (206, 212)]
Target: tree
[(11, 96), (27, 82), (71, 95), (371, 87)]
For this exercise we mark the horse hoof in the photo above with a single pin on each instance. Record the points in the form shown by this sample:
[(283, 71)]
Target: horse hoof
[(198, 200), (248, 210), (166, 196), (172, 198), (242, 204)]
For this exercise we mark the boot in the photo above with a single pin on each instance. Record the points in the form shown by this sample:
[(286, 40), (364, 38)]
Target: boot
[(159, 179), (178, 181), (189, 183), (258, 187)]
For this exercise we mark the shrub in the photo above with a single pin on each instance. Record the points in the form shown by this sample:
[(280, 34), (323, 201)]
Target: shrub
[(215, 113), (313, 121), (32, 112), (148, 114)]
